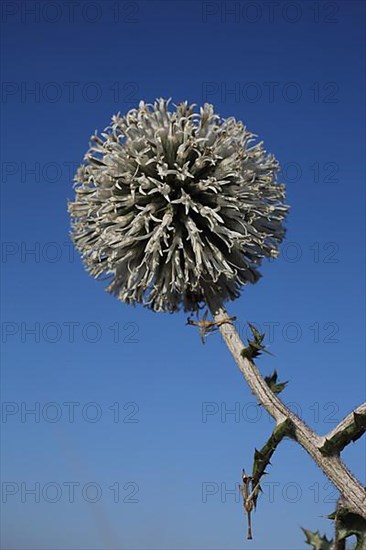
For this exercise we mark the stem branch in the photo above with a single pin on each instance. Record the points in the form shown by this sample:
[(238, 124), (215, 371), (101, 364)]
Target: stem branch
[(349, 429)]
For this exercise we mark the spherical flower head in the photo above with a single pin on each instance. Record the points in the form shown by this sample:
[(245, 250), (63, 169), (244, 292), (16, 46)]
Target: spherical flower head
[(174, 205)]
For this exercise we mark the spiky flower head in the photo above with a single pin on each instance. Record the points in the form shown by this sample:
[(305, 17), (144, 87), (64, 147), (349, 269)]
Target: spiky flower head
[(172, 205)]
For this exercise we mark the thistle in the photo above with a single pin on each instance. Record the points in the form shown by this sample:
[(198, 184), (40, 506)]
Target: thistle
[(173, 205), (178, 208)]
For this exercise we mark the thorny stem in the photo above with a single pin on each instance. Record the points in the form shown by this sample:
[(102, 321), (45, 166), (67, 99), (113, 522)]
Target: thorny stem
[(263, 456), (349, 429), (331, 464), (251, 484)]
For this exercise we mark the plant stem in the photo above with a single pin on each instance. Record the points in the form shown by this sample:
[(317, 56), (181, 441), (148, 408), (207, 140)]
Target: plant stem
[(331, 465), (349, 429)]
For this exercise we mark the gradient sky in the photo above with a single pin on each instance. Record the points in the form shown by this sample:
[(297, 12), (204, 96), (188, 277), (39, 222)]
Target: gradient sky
[(130, 400)]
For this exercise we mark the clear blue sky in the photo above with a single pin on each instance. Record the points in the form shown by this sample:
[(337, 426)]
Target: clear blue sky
[(160, 400)]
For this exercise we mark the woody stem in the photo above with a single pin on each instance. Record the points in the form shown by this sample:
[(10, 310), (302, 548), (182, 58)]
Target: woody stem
[(331, 464)]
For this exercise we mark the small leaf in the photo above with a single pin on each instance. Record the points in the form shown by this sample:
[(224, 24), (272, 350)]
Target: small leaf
[(258, 337), (254, 347), (316, 541), (271, 382)]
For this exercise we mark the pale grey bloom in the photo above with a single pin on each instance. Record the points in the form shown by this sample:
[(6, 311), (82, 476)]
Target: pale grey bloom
[(172, 204)]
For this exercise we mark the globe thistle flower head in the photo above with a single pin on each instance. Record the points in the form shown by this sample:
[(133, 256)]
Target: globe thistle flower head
[(172, 205)]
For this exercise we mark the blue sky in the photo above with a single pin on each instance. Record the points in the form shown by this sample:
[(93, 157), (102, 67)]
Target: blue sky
[(132, 444)]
